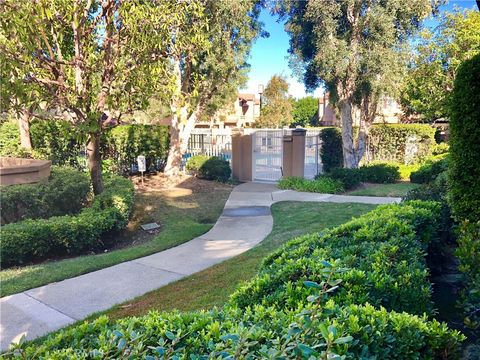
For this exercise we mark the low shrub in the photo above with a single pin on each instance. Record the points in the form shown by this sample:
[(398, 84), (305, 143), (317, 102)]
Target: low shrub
[(331, 150), (35, 240), (209, 167), (381, 173), (382, 253), (468, 254), (65, 192), (322, 184), (370, 263), (440, 149), (350, 178), (429, 171)]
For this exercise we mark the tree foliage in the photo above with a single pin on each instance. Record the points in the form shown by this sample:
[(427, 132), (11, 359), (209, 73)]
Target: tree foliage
[(438, 54), (276, 109), (352, 48), (305, 111)]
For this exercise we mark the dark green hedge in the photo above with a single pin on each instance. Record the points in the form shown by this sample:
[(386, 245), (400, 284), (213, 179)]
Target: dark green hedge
[(429, 171), (321, 184), (389, 142), (65, 192), (331, 149), (464, 167), (383, 265), (34, 240), (209, 167)]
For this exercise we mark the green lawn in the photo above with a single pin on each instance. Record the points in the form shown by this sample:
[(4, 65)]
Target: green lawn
[(397, 190), (183, 213), (213, 286)]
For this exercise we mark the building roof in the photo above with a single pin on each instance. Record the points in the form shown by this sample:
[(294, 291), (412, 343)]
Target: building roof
[(247, 97)]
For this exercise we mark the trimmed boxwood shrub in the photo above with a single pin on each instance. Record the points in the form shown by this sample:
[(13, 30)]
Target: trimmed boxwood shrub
[(322, 184), (429, 171), (381, 173), (34, 240), (381, 265), (65, 192), (389, 142), (350, 178), (209, 167), (331, 150), (464, 166)]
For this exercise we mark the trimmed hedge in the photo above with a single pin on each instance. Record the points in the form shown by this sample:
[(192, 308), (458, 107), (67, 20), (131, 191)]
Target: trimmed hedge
[(322, 184), (389, 261), (389, 142), (382, 250), (429, 171), (380, 173), (331, 149), (464, 167), (209, 168), (65, 192), (35, 240), (350, 178)]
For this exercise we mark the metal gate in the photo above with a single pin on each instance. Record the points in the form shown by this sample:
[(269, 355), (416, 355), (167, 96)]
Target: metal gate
[(267, 155), (313, 162)]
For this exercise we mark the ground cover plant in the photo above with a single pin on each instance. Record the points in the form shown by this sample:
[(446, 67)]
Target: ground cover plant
[(65, 192), (321, 184), (326, 323), (184, 210)]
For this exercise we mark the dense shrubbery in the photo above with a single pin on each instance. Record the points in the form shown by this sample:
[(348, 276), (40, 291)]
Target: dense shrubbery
[(322, 184), (383, 251), (65, 192), (439, 149), (381, 173), (429, 171), (368, 261), (34, 240), (331, 150), (389, 142), (350, 178), (209, 167)]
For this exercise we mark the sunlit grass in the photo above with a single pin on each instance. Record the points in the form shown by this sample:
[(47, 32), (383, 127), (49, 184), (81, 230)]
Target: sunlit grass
[(398, 189)]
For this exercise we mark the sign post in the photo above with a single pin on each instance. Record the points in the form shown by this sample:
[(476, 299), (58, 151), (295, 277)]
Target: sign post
[(142, 165)]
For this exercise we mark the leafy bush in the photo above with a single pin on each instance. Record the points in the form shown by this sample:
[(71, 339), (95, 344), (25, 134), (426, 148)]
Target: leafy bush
[(389, 142), (406, 170), (385, 265), (10, 142), (468, 253), (350, 178), (331, 150), (464, 166), (209, 167), (34, 240), (440, 149), (429, 171), (65, 192), (322, 184), (381, 173), (125, 143), (382, 253)]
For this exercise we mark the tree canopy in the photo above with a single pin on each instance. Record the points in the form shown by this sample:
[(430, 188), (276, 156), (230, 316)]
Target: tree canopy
[(437, 55), (305, 111), (276, 108)]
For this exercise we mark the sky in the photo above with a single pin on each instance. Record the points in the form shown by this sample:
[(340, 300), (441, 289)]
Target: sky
[(269, 56)]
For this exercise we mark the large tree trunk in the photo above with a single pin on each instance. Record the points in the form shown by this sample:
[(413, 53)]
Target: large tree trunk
[(95, 162), (346, 114), (24, 126)]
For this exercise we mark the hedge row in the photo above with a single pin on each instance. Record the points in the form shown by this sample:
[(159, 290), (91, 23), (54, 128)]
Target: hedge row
[(383, 251), (34, 240), (62, 143), (383, 265), (65, 192), (429, 171), (209, 167), (323, 184)]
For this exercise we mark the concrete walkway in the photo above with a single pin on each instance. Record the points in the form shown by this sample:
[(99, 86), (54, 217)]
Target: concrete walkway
[(245, 221)]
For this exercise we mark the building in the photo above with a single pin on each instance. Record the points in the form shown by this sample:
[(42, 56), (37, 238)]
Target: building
[(389, 111)]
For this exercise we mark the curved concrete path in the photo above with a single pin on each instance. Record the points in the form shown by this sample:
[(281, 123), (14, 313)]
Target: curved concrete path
[(245, 221)]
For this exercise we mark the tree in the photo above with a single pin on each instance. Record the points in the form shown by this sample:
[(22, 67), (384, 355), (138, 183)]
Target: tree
[(93, 61), (305, 111), (438, 54), (208, 73), (276, 110), (352, 48)]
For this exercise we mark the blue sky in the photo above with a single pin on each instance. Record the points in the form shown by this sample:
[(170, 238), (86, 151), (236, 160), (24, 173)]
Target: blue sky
[(269, 56)]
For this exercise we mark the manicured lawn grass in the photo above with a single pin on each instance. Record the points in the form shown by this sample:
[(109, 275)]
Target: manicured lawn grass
[(184, 213), (213, 286), (396, 190)]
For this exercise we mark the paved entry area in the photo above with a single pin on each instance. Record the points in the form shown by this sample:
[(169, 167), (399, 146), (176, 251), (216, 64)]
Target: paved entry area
[(245, 221)]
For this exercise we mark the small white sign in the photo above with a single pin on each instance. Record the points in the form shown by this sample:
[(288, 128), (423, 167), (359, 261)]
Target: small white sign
[(142, 163)]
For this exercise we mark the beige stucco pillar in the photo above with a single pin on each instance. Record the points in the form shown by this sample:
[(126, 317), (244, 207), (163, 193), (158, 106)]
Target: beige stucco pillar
[(241, 156), (294, 153)]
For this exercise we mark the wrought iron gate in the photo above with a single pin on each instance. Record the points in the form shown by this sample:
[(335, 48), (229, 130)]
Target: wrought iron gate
[(267, 154), (313, 162)]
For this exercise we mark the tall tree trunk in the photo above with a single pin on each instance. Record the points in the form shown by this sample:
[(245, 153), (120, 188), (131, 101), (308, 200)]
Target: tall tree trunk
[(349, 155), (24, 126), (95, 162)]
